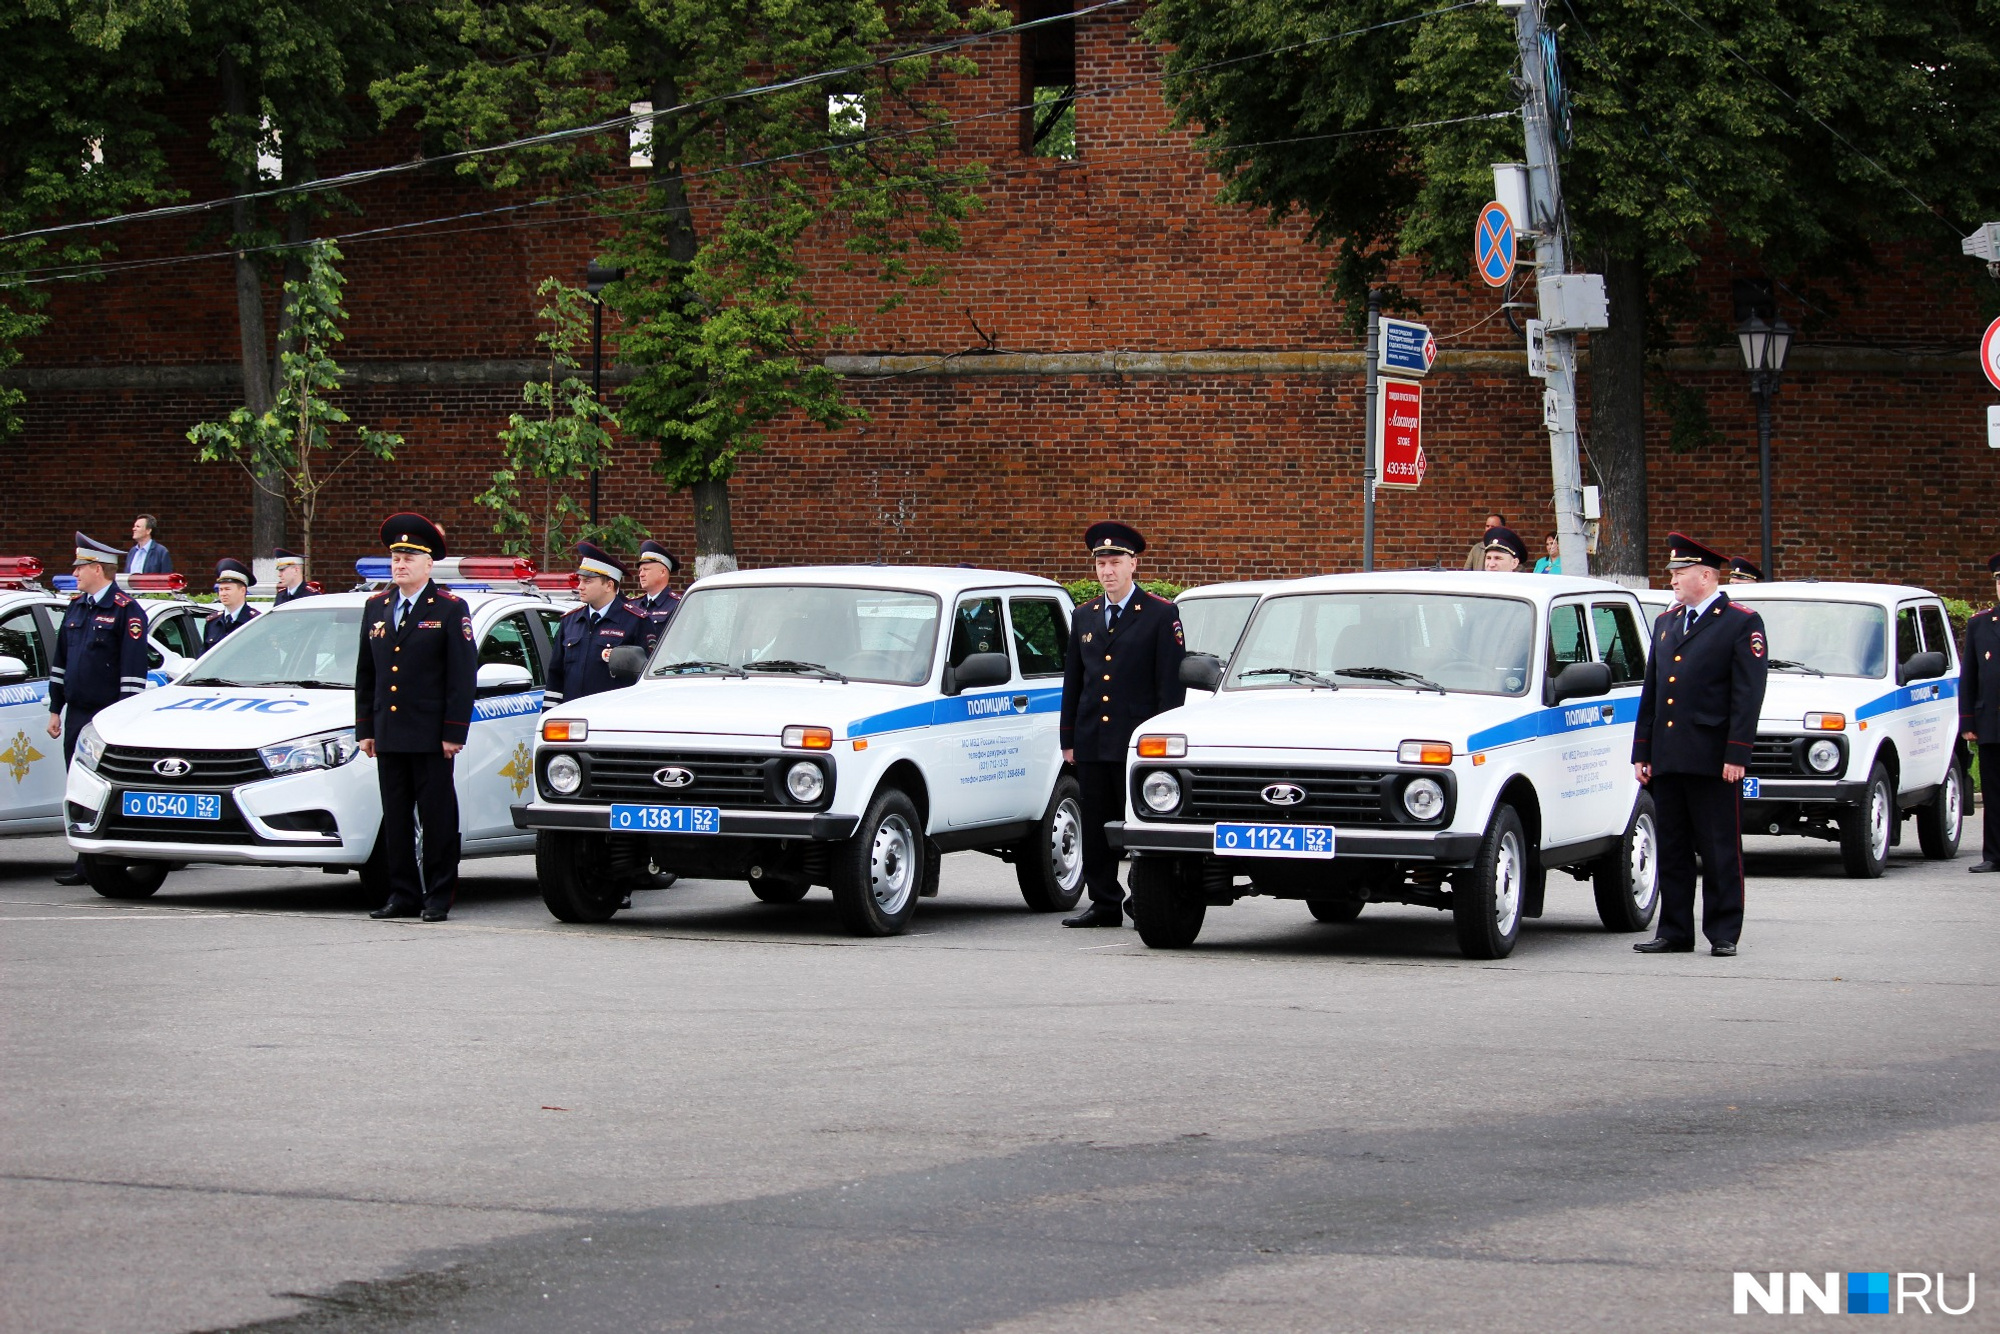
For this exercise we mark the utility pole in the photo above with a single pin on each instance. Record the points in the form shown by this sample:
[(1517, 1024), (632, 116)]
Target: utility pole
[(1371, 447)]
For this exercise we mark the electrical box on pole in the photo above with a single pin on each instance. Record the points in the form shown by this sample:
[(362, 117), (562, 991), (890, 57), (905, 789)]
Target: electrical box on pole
[(1574, 303)]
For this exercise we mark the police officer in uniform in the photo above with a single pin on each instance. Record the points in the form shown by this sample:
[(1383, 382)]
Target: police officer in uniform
[(1505, 551), (1743, 572), (1697, 727), (657, 603), (1979, 716), (232, 587), (100, 653), (292, 583), (1123, 667), (413, 695), (586, 636)]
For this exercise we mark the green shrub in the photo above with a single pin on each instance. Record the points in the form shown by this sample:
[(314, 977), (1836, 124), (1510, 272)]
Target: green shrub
[(1082, 590)]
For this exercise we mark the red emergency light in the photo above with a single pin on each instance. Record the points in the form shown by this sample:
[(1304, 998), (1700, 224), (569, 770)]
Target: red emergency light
[(312, 586), (557, 583), (153, 583), (20, 567), (502, 568)]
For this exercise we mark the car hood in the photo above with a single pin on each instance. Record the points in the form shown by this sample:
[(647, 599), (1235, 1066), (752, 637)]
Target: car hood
[(1790, 696), (223, 718), (1351, 718), (756, 707)]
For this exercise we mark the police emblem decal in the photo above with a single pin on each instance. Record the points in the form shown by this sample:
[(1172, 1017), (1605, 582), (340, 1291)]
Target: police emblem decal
[(1756, 643), (19, 756), (466, 626), (135, 629), (518, 769)]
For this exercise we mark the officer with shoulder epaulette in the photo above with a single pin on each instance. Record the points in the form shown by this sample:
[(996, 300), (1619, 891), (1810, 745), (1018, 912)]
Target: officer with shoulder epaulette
[(657, 602), (604, 621), (1505, 551), (1743, 572), (1979, 715), (1123, 667), (232, 588), (1697, 728), (292, 583), (100, 653), (413, 693)]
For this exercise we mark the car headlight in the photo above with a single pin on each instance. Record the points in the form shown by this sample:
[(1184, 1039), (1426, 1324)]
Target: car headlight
[(564, 775), (324, 750), (1823, 756), (89, 747), (1423, 798), (806, 782), (1161, 791)]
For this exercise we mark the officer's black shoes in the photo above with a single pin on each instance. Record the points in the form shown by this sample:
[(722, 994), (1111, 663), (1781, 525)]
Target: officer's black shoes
[(625, 903), (73, 876), (1980, 869), (1098, 914), (1660, 946), (392, 910), (1723, 949), (437, 916)]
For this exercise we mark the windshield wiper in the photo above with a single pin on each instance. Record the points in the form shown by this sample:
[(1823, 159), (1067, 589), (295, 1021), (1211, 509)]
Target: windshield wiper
[(1787, 665), (1295, 673), (698, 665), (793, 665), (208, 681), (314, 685), (1395, 674)]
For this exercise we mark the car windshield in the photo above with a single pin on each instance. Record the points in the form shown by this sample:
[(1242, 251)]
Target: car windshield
[(1458, 641), (309, 647), (1832, 638), (1213, 625), (863, 634)]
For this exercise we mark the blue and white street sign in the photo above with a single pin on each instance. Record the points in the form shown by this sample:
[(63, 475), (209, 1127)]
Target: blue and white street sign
[(1493, 245), (1407, 348)]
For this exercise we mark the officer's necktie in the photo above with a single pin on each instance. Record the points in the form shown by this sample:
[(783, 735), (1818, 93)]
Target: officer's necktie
[(402, 610), (1112, 615), (1687, 626)]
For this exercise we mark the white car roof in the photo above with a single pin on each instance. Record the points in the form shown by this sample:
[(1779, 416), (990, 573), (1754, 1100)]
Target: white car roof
[(1237, 589), (944, 580), (478, 601), (1886, 595), (1539, 587)]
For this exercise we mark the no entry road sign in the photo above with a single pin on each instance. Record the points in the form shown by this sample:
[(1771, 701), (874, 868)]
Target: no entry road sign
[(1989, 353), (1399, 425), (1493, 245), (1407, 348)]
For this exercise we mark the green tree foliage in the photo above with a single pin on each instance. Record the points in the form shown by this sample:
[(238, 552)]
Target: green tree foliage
[(718, 317), (561, 440), (281, 448)]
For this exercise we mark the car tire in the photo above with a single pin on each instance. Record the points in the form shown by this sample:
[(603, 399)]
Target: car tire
[(1865, 831), (1335, 910), (878, 875), (1942, 820), (1626, 881), (1048, 863), (770, 889), (573, 872), (1486, 900), (1167, 904), (119, 878)]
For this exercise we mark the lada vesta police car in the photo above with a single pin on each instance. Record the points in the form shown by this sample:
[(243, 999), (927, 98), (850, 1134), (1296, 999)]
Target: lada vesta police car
[(838, 726), (1444, 739), (1860, 724)]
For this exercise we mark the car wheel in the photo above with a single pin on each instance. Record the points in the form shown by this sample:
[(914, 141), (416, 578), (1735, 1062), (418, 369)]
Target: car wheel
[(1167, 904), (1486, 899), (117, 878), (1335, 910), (770, 889), (574, 873), (878, 874), (1940, 822), (1865, 830), (1049, 862), (1627, 881)]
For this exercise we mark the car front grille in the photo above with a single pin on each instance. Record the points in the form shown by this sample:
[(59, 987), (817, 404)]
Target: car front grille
[(719, 779), (132, 766), (1333, 796), (1774, 757)]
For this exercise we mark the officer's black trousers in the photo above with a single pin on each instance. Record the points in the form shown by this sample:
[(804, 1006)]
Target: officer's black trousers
[(76, 717), (1102, 797), (1699, 814), (417, 789), (1989, 801)]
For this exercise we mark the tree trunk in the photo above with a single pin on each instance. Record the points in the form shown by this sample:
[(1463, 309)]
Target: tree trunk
[(714, 548), (1618, 422), (267, 499)]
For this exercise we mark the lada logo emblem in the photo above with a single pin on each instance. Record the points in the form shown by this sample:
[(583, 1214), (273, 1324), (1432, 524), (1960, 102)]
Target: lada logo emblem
[(171, 767), (672, 776), (1284, 794)]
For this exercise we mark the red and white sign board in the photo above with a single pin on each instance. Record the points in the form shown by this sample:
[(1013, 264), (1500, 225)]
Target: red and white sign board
[(1399, 429), (1989, 353)]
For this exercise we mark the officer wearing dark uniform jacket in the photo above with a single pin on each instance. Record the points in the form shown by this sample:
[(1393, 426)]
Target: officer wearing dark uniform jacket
[(604, 621), (100, 653), (232, 586), (657, 602), (413, 694), (1505, 551), (1697, 728), (292, 583), (1979, 715), (1123, 667), (1743, 572)]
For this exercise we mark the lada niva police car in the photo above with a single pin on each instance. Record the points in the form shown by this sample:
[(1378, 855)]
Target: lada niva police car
[(250, 757), (1444, 739), (838, 726), (1213, 615), (1860, 724)]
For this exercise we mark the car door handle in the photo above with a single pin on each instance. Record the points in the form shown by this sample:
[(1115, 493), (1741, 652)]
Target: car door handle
[(1021, 703)]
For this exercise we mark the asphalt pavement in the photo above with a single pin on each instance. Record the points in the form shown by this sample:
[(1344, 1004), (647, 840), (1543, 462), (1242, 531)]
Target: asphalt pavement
[(244, 1105)]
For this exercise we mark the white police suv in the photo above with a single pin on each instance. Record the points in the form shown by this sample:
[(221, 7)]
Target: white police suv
[(1213, 615), (1435, 738), (1860, 724), (838, 726), (250, 757)]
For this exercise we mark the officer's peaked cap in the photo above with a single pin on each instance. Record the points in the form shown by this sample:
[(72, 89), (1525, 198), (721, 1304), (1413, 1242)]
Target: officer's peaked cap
[(1683, 551), (413, 532), (1743, 571), (1112, 538), (89, 549), (593, 559), (1506, 539), (284, 557), (649, 550), (229, 568)]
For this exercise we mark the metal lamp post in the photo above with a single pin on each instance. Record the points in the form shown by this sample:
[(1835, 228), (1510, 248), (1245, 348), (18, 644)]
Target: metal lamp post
[(1765, 346), (596, 278)]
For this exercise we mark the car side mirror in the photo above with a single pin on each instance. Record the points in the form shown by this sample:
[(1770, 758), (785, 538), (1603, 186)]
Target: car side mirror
[(502, 678), (1201, 671), (12, 671), (1920, 667), (626, 664), (977, 671), (1579, 680)]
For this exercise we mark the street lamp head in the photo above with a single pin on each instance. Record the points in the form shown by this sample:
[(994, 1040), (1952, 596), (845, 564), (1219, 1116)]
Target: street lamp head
[(600, 276), (1764, 345), (1779, 347)]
